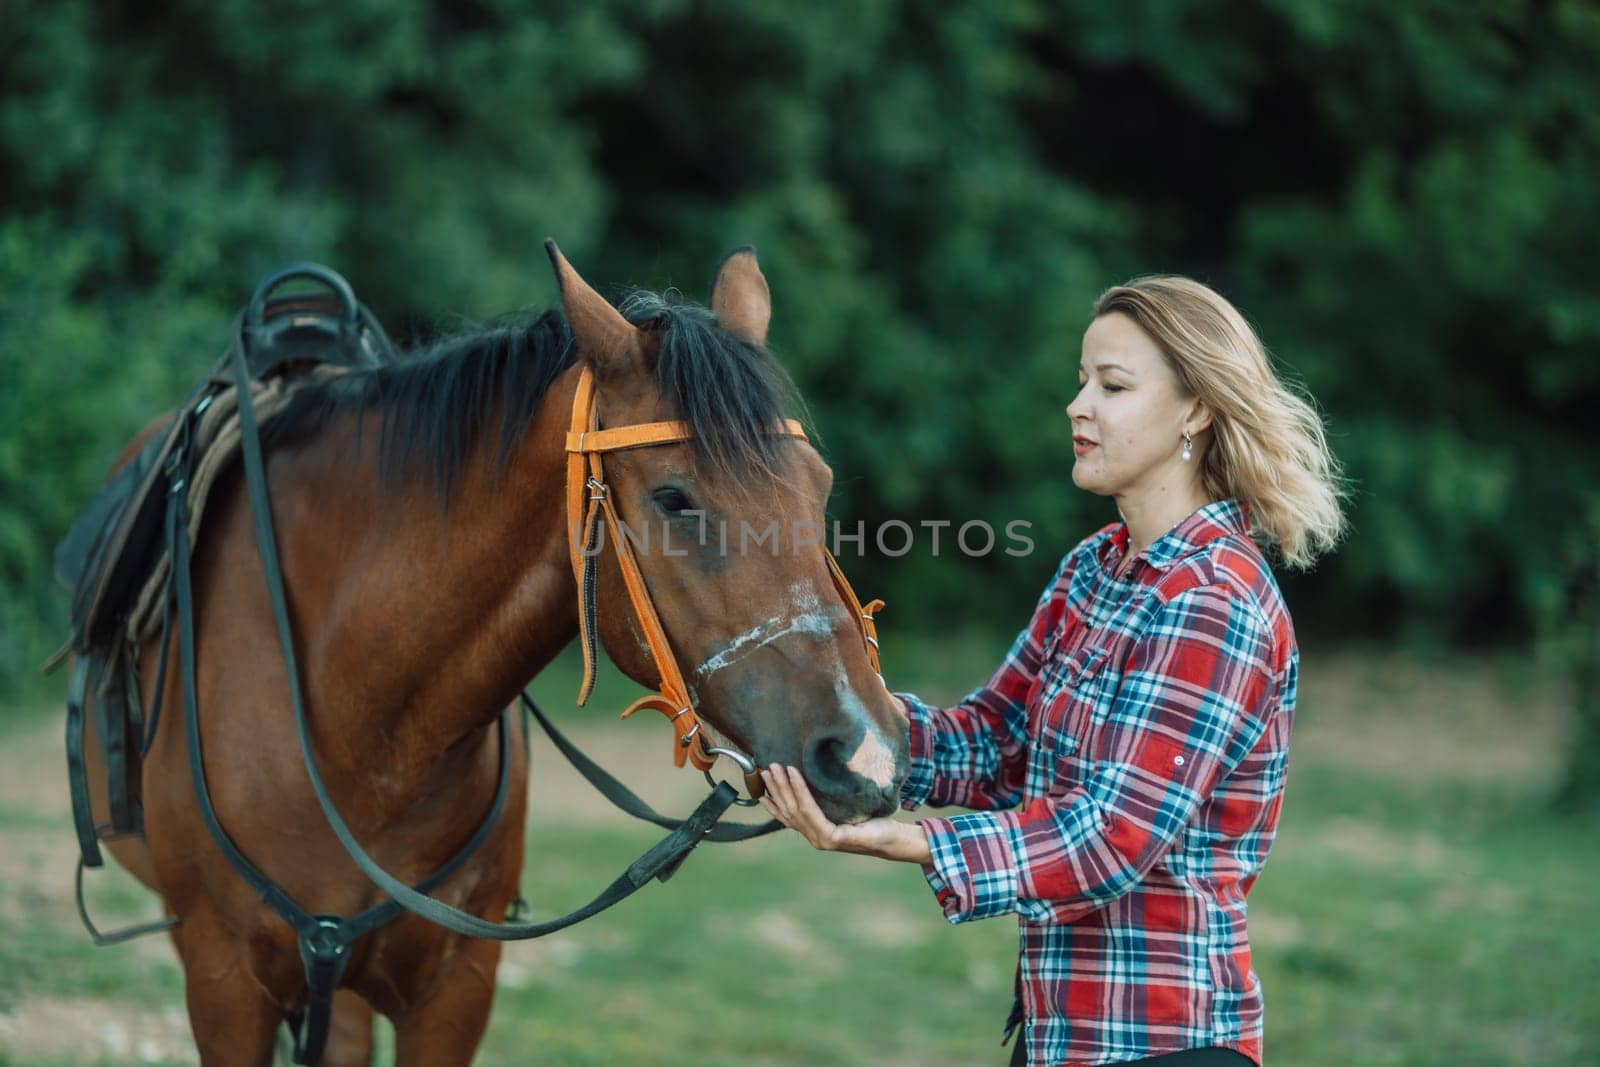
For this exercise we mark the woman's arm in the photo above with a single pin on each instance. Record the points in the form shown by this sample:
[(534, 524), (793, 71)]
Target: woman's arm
[(1197, 693), (975, 754), (1196, 697)]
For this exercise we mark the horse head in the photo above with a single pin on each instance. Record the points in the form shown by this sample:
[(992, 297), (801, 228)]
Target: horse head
[(726, 524)]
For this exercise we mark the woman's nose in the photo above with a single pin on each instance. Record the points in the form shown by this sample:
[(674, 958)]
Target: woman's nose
[(1078, 408)]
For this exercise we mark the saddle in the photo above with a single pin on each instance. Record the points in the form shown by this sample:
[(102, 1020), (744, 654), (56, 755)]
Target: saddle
[(114, 557)]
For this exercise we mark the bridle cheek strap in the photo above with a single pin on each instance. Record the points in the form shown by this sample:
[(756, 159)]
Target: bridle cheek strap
[(588, 504), (863, 614)]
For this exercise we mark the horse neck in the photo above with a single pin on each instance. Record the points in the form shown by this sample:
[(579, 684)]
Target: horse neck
[(454, 608)]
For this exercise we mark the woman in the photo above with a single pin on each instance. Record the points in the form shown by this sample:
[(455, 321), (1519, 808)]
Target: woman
[(1127, 760)]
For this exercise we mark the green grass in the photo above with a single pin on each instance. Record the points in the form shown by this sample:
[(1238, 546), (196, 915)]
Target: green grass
[(764, 953), (1452, 929), (1422, 907)]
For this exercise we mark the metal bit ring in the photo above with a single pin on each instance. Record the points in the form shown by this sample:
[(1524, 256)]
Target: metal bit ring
[(746, 764)]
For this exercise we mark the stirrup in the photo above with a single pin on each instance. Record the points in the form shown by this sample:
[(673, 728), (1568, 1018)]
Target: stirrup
[(127, 933)]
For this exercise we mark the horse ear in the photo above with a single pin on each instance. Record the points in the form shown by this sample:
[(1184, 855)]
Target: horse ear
[(740, 297), (609, 341)]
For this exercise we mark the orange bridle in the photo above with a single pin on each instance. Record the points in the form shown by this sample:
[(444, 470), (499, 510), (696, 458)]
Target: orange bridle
[(588, 501)]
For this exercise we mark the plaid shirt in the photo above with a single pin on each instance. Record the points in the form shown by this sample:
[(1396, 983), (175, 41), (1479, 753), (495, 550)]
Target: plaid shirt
[(1136, 737)]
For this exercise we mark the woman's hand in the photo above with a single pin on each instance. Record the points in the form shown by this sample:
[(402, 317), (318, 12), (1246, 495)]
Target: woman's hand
[(789, 800)]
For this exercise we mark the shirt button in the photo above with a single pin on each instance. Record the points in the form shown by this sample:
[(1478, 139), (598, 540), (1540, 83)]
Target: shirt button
[(1177, 761)]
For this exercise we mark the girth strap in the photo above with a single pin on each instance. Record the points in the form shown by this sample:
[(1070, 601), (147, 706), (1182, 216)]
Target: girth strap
[(83, 668), (89, 835), (77, 771), (111, 727), (325, 944)]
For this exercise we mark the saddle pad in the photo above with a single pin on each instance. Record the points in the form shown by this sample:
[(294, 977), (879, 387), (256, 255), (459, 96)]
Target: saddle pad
[(216, 444)]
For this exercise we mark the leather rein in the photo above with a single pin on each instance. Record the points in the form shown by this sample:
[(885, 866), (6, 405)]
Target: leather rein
[(325, 940), (588, 503)]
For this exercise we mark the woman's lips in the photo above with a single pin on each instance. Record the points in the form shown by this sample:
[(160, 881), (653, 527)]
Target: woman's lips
[(1082, 445)]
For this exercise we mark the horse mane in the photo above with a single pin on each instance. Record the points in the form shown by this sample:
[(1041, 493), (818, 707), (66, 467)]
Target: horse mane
[(730, 390), (437, 401)]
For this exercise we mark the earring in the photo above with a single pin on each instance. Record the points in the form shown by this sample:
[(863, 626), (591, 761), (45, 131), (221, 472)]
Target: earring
[(1188, 446)]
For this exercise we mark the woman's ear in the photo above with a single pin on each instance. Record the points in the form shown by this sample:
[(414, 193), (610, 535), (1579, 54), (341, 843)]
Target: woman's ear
[(1199, 417)]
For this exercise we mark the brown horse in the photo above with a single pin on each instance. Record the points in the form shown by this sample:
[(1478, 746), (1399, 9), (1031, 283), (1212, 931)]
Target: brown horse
[(425, 550)]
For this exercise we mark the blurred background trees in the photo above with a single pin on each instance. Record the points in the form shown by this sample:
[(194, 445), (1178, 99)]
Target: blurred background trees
[(1404, 198)]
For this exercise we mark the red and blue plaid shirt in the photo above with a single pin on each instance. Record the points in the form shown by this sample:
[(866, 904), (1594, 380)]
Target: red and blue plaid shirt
[(1128, 762)]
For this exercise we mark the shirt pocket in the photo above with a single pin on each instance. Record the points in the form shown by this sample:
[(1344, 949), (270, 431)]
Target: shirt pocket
[(1067, 703)]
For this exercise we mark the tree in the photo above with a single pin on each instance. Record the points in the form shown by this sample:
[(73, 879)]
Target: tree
[(1400, 196)]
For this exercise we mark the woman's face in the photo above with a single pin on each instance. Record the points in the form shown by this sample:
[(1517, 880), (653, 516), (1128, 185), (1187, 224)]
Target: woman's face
[(1130, 413)]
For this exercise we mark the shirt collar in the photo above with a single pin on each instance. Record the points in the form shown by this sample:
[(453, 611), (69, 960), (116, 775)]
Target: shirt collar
[(1217, 519)]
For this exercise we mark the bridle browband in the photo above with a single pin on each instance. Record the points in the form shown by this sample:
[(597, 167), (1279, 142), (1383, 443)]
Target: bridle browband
[(588, 502)]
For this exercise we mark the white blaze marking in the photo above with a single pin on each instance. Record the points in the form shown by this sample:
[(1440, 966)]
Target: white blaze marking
[(807, 618), (872, 759)]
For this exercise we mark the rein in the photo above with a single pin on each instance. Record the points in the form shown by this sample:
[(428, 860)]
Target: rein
[(325, 941), (588, 502)]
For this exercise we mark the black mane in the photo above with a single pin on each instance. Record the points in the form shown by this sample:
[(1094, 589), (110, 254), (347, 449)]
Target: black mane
[(437, 401), (730, 391)]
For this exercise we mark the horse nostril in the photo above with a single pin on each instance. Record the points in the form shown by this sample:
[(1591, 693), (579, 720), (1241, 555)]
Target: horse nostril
[(825, 763)]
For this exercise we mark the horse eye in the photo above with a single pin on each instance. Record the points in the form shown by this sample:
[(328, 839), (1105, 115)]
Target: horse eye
[(671, 500)]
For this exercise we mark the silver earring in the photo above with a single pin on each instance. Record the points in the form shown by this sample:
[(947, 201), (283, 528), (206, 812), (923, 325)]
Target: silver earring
[(1188, 447)]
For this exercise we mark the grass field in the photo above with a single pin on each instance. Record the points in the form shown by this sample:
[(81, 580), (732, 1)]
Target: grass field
[(1421, 907)]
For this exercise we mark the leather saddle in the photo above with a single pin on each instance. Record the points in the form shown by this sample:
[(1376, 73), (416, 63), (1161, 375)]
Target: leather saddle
[(112, 544), (117, 542)]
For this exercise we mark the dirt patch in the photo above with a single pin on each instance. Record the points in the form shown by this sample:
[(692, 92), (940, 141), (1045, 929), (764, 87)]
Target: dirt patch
[(1370, 844), (1397, 716), (89, 1030), (790, 939), (35, 778), (1272, 930), (37, 864), (889, 926)]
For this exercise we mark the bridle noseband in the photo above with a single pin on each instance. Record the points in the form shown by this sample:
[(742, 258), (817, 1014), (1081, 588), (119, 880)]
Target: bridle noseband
[(588, 501)]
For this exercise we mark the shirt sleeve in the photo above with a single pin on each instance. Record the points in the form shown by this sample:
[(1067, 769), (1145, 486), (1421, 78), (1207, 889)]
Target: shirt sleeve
[(1196, 694), (975, 754)]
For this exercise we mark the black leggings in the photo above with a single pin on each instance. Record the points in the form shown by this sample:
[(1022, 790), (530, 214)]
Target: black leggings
[(1189, 1057)]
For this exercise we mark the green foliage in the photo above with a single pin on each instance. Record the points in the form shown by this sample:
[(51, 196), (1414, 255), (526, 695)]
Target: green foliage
[(1576, 647), (1403, 198)]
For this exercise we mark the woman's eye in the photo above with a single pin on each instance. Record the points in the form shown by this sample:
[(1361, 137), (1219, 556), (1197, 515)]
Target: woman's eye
[(1112, 388), (671, 500)]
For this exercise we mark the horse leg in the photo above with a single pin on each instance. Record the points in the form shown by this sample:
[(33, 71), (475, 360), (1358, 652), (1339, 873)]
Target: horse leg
[(230, 1014), (349, 1032), (446, 1027)]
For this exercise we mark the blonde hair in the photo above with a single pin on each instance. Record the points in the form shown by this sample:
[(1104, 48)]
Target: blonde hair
[(1268, 447)]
